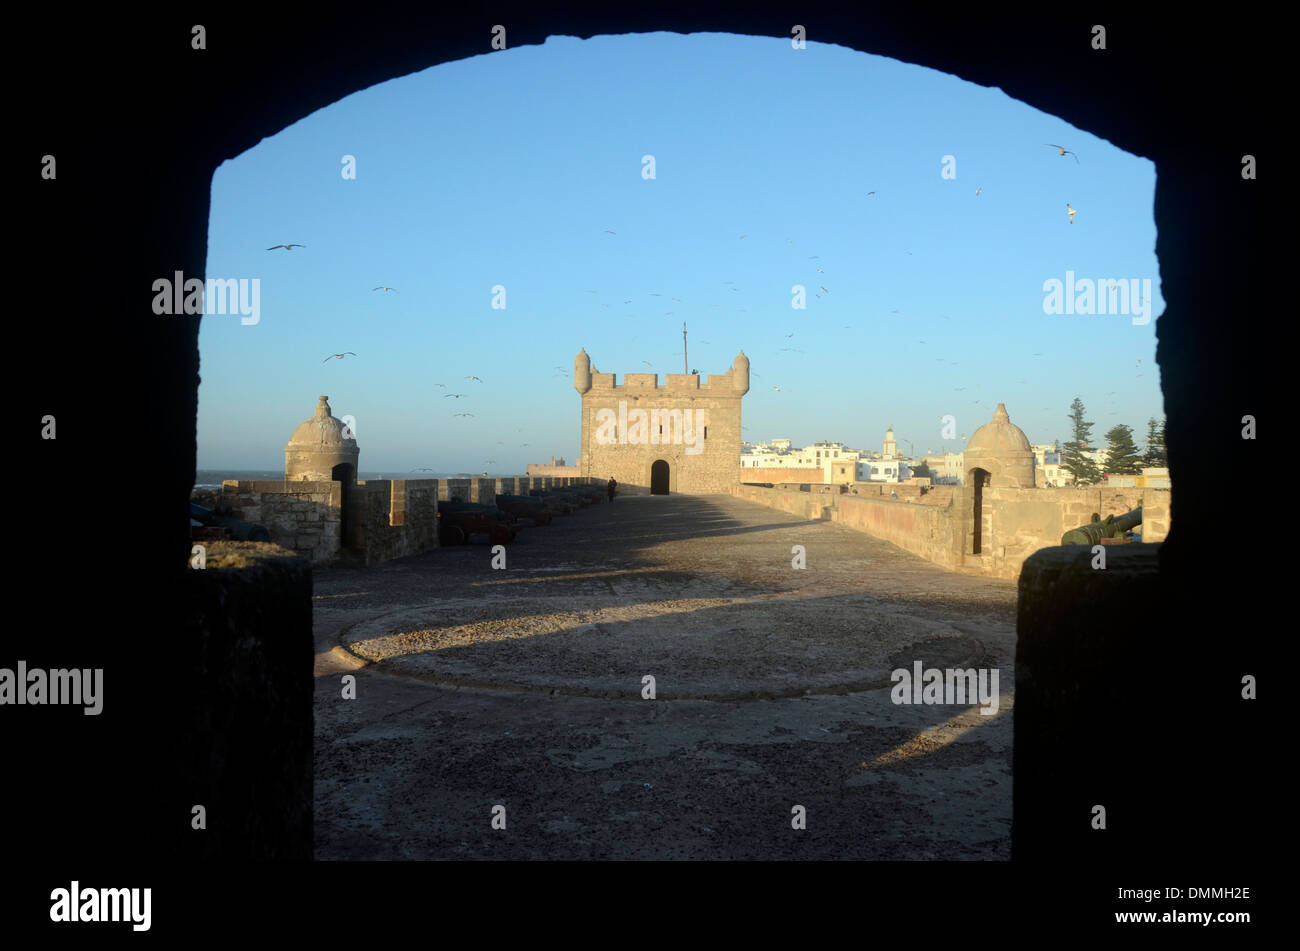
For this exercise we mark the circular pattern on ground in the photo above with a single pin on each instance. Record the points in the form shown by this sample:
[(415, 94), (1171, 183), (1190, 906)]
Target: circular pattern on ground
[(698, 648)]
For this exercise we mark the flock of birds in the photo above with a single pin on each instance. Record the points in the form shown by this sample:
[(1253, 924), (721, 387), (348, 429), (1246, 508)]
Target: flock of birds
[(821, 287)]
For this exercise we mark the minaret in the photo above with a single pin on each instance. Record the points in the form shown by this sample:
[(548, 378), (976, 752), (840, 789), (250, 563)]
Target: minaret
[(891, 447)]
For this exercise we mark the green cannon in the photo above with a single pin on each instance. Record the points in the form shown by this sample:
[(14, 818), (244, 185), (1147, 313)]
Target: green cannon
[(1112, 526)]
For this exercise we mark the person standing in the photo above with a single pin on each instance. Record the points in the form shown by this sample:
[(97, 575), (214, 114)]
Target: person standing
[(611, 488)]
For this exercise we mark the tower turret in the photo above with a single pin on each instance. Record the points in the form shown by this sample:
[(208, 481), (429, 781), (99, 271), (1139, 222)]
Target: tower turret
[(582, 372), (740, 379)]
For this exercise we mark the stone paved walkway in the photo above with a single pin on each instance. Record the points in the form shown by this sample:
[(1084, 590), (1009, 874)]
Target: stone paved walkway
[(523, 688)]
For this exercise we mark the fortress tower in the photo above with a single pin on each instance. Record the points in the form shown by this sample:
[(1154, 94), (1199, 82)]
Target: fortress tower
[(682, 436), (319, 450)]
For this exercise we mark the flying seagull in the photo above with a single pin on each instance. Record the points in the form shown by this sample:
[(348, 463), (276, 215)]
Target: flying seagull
[(777, 388), (742, 237), (647, 363), (869, 194), (1063, 150), (443, 385), (471, 378), (823, 287), (421, 469), (610, 232), (384, 287), (346, 353), (978, 190), (462, 414), (788, 336), (1071, 211), (821, 271), (894, 311), (453, 396), (287, 247)]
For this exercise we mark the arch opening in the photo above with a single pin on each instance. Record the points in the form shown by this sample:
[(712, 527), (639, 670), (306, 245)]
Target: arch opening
[(659, 477)]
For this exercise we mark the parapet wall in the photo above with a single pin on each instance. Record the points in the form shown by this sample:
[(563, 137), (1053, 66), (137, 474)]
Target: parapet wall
[(384, 518), (304, 517), (777, 474), (810, 505), (1019, 522), (938, 525), (932, 531), (393, 518)]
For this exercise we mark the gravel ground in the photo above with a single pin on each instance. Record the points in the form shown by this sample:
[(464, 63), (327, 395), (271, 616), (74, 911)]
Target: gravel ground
[(522, 688)]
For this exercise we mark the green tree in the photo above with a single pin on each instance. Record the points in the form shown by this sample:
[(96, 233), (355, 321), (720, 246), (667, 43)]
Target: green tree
[(1155, 454), (1073, 460), (1122, 455), (922, 471)]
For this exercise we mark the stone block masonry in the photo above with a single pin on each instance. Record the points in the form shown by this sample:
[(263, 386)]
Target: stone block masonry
[(939, 524), (370, 522)]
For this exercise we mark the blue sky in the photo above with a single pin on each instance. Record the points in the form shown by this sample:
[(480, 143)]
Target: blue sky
[(508, 169)]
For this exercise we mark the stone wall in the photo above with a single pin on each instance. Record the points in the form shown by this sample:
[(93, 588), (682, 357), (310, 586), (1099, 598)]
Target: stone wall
[(393, 519), (248, 649), (780, 474), (925, 494), (304, 517), (1019, 522), (810, 505), (454, 489), (937, 522), (932, 531)]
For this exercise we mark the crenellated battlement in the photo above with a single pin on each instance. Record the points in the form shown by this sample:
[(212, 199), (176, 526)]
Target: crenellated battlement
[(675, 384)]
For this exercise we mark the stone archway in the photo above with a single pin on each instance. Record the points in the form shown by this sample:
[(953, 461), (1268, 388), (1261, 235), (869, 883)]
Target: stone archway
[(659, 474), (1149, 75)]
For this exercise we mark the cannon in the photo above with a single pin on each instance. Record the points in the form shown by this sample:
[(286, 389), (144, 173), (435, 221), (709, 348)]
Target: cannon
[(239, 530), (458, 520), (1112, 526), (527, 506)]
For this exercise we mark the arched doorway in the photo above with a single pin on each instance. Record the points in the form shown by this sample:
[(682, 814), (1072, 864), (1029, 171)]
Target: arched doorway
[(659, 478), (346, 478), (979, 478)]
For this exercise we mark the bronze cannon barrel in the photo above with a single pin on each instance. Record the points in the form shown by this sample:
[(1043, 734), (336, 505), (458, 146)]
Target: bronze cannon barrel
[(1112, 526)]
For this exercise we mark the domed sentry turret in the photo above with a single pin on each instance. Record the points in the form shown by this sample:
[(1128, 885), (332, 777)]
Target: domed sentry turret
[(1001, 449), (582, 372), (320, 451), (740, 379)]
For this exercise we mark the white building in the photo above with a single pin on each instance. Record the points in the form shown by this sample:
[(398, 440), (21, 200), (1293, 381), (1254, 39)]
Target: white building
[(946, 468), (883, 470)]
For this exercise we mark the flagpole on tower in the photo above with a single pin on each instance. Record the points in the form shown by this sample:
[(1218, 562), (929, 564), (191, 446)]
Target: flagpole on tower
[(686, 363)]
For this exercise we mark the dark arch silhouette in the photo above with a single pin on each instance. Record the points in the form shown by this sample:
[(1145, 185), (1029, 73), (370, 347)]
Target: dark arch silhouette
[(1150, 92), (978, 479), (659, 477), (346, 477)]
